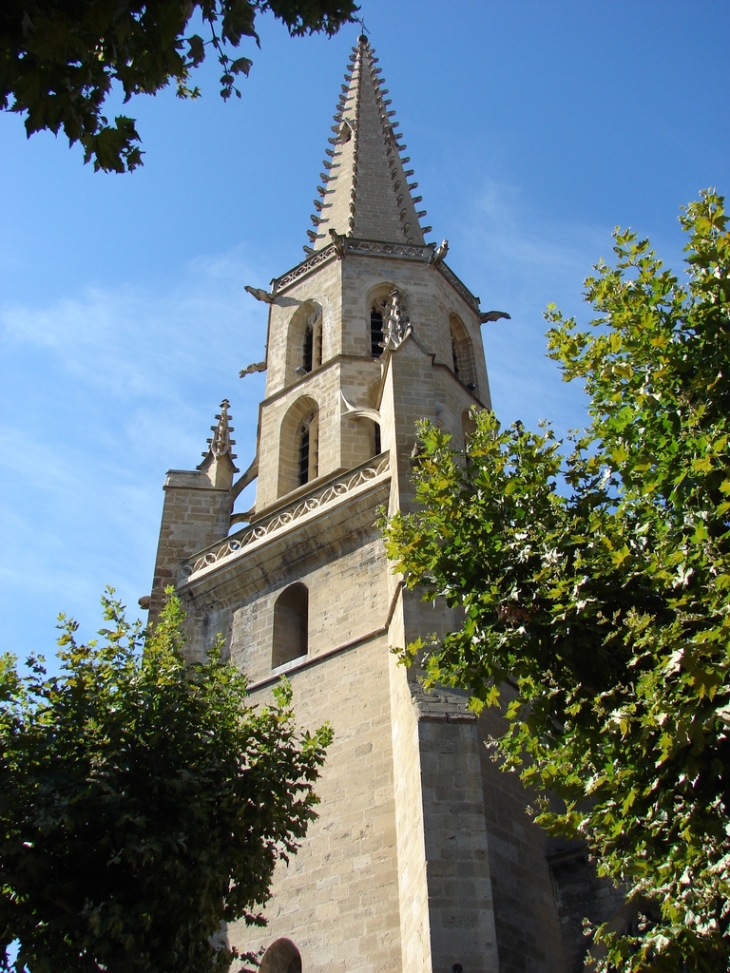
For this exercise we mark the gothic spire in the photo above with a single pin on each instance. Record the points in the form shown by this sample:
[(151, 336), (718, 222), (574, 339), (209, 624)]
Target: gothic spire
[(365, 191)]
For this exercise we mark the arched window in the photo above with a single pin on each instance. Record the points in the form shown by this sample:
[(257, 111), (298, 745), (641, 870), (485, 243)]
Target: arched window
[(281, 957), (455, 354), (308, 350), (377, 317), (298, 459), (462, 354), (304, 470), (304, 341), (291, 625)]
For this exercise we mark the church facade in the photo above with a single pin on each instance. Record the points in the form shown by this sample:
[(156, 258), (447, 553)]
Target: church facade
[(422, 859)]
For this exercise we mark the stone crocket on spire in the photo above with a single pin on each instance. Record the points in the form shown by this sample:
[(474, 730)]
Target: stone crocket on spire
[(365, 192), (218, 460)]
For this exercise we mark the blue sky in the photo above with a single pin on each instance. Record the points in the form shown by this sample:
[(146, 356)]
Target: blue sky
[(533, 127)]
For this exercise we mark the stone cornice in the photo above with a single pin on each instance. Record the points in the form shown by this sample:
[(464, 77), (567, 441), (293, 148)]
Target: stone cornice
[(328, 495), (348, 245), (459, 286), (381, 248), (372, 248), (312, 262)]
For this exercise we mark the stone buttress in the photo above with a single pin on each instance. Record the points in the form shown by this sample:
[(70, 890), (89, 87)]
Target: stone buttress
[(422, 859)]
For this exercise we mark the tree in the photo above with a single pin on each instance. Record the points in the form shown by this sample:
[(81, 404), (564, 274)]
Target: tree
[(142, 803), (595, 588), (59, 59)]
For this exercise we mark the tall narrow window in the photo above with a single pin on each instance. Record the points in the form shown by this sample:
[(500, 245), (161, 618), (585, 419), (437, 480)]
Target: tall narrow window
[(304, 453), (462, 354), (304, 341), (376, 330), (298, 453), (308, 350), (376, 437), (291, 625), (317, 345), (454, 355)]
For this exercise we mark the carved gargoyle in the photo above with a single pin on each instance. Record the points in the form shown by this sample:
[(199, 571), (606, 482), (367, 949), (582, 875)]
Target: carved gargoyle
[(260, 294), (259, 366), (439, 253)]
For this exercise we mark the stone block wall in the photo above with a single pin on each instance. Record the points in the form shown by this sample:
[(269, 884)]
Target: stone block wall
[(457, 852), (347, 602), (194, 515), (582, 894), (429, 300), (321, 290), (337, 900), (525, 902), (413, 896)]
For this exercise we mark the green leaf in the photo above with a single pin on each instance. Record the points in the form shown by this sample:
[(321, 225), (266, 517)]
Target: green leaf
[(594, 580), (147, 794)]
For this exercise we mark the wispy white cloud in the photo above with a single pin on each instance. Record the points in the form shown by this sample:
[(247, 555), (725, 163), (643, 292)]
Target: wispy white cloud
[(549, 258), (103, 391), (135, 341), (520, 261)]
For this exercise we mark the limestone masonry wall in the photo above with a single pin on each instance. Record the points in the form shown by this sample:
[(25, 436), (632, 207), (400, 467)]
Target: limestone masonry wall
[(338, 898), (194, 515), (347, 601)]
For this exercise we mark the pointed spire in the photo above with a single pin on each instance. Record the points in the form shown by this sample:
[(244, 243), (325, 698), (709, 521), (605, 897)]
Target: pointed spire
[(365, 192), (218, 460)]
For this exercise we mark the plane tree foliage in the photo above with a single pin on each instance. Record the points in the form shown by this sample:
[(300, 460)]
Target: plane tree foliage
[(594, 580), (143, 803), (60, 59)]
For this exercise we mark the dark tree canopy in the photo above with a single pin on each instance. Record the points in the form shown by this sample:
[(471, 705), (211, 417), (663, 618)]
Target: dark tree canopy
[(595, 583), (60, 58), (142, 804)]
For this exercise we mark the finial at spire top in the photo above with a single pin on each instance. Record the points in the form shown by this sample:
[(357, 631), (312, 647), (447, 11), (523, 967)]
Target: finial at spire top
[(362, 39), (221, 442), (218, 459)]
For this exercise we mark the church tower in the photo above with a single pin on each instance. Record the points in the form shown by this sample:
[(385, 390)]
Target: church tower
[(422, 859)]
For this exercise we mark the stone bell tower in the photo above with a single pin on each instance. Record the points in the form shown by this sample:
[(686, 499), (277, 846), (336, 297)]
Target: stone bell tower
[(421, 860)]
